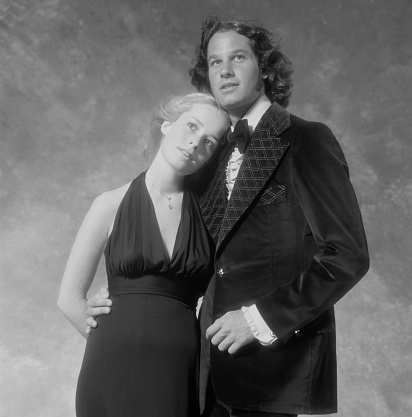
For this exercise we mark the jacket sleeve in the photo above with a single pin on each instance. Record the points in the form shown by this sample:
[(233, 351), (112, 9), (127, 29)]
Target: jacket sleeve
[(327, 199)]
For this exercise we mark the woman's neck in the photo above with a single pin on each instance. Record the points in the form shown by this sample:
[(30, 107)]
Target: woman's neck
[(163, 179)]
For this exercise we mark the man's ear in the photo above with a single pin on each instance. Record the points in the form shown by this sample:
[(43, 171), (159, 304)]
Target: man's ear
[(166, 125)]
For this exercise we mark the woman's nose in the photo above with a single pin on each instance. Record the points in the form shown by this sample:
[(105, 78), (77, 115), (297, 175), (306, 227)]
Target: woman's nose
[(193, 143)]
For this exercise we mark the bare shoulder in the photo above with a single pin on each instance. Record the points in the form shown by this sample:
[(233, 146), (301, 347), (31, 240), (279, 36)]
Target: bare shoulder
[(105, 206), (109, 201)]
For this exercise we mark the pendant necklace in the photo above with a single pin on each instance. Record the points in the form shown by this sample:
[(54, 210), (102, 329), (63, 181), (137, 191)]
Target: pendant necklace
[(164, 195)]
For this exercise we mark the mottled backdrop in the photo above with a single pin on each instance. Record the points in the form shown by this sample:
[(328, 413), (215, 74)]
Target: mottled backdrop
[(77, 82)]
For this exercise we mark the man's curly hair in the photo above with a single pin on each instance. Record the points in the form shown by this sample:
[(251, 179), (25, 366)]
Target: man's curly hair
[(271, 61)]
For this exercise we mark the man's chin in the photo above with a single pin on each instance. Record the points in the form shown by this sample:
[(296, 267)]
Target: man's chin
[(227, 102)]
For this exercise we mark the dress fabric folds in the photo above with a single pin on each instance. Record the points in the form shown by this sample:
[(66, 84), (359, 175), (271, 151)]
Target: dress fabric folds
[(143, 358)]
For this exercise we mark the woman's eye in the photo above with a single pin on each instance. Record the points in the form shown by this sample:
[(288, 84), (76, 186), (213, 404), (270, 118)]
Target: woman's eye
[(214, 63), (209, 143), (238, 57), (192, 126)]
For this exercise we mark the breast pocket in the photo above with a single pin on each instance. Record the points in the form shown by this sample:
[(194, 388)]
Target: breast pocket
[(273, 194)]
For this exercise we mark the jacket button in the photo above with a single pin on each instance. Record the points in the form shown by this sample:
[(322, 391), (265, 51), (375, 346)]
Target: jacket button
[(221, 272)]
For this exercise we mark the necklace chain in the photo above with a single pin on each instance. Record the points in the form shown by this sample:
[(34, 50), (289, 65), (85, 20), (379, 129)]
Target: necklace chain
[(164, 195)]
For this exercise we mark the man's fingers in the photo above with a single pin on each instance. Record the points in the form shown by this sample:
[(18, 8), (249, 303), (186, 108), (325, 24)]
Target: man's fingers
[(218, 338), (213, 329), (91, 322), (97, 311), (225, 344), (99, 302), (234, 347), (104, 292)]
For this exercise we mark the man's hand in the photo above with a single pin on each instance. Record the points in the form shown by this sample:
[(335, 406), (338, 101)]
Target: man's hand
[(230, 332), (97, 306)]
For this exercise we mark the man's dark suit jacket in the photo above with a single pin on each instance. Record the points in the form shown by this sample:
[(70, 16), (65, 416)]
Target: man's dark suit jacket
[(290, 240)]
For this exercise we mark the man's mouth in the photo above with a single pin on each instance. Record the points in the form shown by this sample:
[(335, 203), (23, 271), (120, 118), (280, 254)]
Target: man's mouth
[(226, 86), (186, 154)]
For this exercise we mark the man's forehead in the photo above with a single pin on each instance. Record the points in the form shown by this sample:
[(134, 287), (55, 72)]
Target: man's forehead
[(228, 41)]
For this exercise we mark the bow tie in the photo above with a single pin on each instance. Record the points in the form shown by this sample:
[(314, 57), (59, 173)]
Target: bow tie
[(240, 136)]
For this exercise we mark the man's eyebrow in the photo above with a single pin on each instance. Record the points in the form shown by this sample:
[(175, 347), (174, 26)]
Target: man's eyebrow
[(234, 52), (239, 50)]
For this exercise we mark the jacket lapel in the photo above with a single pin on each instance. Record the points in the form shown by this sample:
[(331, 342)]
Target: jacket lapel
[(261, 159), (213, 201)]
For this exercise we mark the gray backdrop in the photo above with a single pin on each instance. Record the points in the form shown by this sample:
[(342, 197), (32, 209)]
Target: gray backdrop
[(77, 82)]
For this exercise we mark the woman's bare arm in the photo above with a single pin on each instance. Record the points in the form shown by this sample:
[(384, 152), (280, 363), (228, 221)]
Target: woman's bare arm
[(85, 255)]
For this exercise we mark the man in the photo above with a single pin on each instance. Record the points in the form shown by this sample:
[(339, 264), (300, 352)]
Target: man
[(289, 238)]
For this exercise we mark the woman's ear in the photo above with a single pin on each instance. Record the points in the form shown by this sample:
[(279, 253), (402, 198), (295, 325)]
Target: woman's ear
[(166, 125)]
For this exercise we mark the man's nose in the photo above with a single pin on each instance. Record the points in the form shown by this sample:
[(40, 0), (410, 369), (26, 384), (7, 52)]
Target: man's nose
[(226, 70)]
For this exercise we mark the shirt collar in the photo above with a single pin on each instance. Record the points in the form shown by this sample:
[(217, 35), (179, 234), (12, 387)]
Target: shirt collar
[(255, 113)]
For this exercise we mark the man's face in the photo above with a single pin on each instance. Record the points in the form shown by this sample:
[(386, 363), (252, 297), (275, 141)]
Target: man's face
[(234, 75)]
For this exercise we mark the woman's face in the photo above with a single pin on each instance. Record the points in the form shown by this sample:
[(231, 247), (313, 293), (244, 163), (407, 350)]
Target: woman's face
[(190, 141)]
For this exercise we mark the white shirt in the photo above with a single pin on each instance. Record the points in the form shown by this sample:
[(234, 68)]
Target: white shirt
[(259, 328)]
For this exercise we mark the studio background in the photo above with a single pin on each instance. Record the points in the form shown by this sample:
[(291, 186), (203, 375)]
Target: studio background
[(78, 80)]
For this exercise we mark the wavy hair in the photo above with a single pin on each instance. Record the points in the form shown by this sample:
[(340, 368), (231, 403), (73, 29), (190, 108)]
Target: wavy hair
[(271, 61), (170, 109)]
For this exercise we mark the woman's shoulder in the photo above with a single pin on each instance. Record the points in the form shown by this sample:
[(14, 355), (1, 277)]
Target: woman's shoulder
[(108, 202)]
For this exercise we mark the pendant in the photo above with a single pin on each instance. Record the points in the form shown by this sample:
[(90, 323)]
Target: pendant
[(170, 205)]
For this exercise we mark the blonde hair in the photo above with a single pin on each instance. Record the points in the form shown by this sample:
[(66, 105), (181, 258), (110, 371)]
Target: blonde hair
[(171, 109)]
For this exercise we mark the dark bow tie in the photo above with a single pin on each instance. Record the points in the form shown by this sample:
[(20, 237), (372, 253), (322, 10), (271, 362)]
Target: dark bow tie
[(240, 136)]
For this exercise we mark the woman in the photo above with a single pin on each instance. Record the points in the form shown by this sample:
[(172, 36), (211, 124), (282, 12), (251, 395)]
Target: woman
[(143, 359)]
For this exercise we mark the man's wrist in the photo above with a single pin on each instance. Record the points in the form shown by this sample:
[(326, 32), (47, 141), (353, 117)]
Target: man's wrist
[(258, 326)]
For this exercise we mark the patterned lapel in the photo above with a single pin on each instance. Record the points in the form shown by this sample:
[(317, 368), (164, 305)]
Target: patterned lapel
[(261, 158), (213, 201)]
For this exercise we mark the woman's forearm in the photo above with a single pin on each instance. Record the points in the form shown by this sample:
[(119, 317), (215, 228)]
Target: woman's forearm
[(76, 312)]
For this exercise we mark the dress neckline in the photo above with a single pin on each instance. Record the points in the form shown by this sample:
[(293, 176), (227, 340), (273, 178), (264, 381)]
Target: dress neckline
[(168, 258)]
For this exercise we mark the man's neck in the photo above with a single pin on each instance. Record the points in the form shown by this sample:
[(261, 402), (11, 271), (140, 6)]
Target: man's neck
[(239, 113), (254, 112)]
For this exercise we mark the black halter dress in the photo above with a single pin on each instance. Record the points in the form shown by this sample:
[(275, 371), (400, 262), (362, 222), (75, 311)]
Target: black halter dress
[(142, 360)]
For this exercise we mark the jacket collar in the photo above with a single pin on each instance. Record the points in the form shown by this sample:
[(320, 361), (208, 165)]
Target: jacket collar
[(262, 156), (256, 112)]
